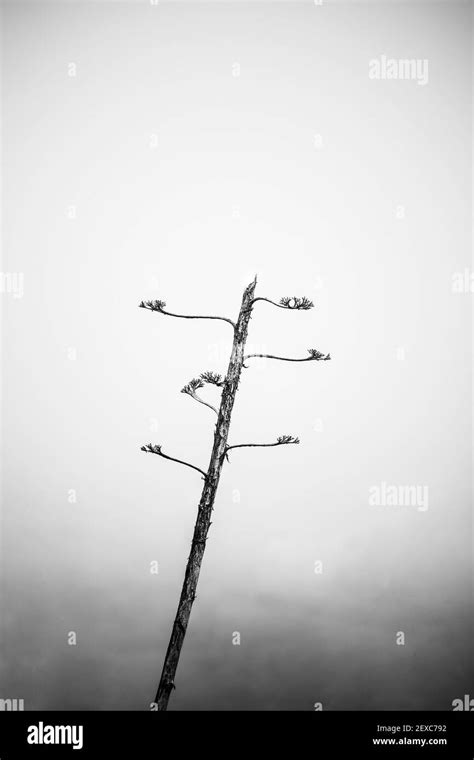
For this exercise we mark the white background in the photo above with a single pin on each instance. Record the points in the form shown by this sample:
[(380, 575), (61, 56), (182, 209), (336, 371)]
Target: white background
[(236, 186)]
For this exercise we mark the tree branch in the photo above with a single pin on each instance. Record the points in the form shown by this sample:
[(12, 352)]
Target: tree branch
[(314, 356), (160, 306), (150, 448), (281, 441), (300, 304), (191, 388)]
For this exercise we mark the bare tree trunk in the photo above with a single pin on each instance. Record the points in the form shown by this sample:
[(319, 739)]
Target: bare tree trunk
[(206, 503)]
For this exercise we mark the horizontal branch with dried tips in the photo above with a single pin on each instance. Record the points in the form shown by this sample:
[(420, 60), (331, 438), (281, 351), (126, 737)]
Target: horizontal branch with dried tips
[(212, 378), (191, 388), (156, 449), (282, 440), (160, 307), (298, 304), (314, 356)]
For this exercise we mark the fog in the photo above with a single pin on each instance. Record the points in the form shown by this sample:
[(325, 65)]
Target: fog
[(191, 147)]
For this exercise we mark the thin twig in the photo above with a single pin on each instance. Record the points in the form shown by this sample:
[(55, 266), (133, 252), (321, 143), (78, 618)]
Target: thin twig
[(188, 316), (200, 400), (155, 306), (260, 298), (151, 449), (311, 358), (293, 303), (191, 388), (286, 440), (281, 358)]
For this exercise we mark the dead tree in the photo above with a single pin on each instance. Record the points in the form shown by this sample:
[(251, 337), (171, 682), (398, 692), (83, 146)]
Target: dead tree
[(220, 452)]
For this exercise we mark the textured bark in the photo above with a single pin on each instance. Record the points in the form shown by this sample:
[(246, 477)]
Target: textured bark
[(206, 503)]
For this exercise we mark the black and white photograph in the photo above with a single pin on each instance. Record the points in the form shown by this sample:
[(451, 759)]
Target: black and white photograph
[(237, 287)]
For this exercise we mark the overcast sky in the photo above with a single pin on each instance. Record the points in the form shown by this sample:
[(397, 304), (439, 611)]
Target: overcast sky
[(173, 152)]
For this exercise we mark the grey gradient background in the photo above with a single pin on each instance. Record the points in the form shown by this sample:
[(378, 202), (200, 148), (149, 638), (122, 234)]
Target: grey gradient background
[(236, 187)]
